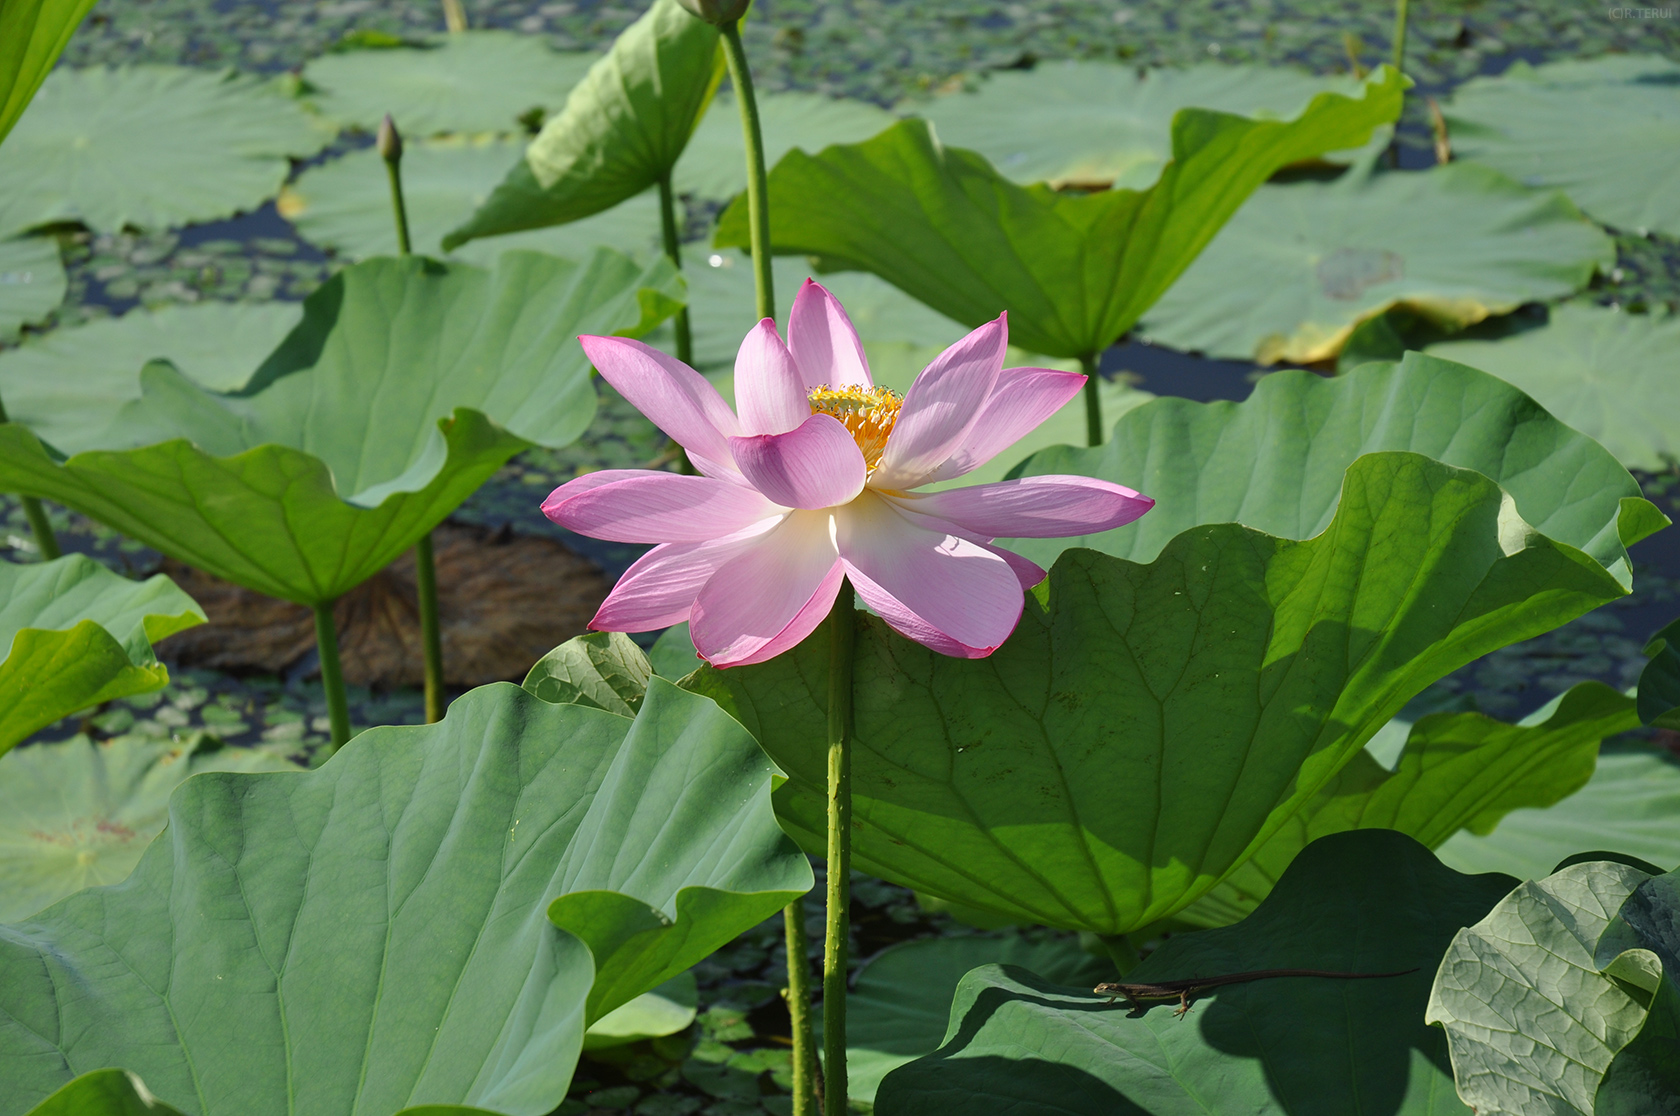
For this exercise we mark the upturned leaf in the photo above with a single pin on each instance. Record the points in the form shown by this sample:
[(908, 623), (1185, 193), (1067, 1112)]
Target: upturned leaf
[(371, 936), (75, 635), (33, 33), (1544, 997), (623, 128), (603, 670), (1459, 771), (408, 383), (1367, 902), (1073, 271)]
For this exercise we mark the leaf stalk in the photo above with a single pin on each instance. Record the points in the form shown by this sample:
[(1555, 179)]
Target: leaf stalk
[(332, 674), (842, 638)]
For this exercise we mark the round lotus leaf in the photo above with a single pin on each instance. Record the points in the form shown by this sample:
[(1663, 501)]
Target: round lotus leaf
[(78, 814), (149, 146), (1300, 265), (477, 81), (1609, 374), (713, 165), (1605, 131), (71, 386), (32, 282), (1098, 124), (345, 205)]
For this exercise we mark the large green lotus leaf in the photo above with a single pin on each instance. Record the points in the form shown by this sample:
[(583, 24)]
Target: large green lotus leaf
[(479, 81), (1090, 124), (75, 635), (1302, 264), (149, 146), (623, 128), (32, 281), (1074, 271), (1607, 373), (70, 386), (342, 449), (899, 1003), (714, 165), (1459, 771), (1539, 997), (1627, 807), (78, 814), (1150, 727), (1605, 130), (345, 205), (33, 33), (1275, 462), (1373, 901), (372, 936)]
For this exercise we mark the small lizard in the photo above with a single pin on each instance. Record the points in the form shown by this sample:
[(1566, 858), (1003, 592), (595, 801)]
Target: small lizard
[(1186, 990)]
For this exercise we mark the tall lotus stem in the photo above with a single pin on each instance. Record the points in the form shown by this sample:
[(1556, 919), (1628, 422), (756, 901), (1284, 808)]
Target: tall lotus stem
[(390, 147), (799, 980), (45, 541), (673, 252), (1093, 402), (842, 626), (1399, 64), (332, 674), (454, 16)]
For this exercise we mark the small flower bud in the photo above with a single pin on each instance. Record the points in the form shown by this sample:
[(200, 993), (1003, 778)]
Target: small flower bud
[(389, 140), (717, 12)]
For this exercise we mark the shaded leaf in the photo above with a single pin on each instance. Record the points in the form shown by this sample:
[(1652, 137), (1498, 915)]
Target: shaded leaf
[(345, 205), (603, 670), (1073, 271), (1459, 771), (105, 1092), (77, 814), (69, 386), (149, 146), (474, 81), (32, 282), (1605, 130), (342, 450), (1659, 682), (1151, 726), (623, 128), (1367, 902), (33, 33), (317, 962), (1604, 372), (1302, 264), (76, 634), (660, 1011), (1089, 124)]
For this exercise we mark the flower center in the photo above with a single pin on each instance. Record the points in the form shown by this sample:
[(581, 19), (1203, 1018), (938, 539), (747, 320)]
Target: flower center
[(869, 413)]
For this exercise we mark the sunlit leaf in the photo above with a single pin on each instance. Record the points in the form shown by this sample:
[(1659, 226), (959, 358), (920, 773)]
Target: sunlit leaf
[(32, 282), (714, 164), (33, 33)]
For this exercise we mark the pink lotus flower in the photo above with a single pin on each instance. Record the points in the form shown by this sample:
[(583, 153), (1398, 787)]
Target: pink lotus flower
[(813, 481)]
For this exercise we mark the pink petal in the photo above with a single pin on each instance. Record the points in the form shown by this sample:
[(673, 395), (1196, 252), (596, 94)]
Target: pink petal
[(769, 392), (674, 396), (1022, 398), (948, 593), (648, 506), (1049, 507), (941, 407), (769, 597), (658, 590), (816, 466), (1027, 572), (823, 342)]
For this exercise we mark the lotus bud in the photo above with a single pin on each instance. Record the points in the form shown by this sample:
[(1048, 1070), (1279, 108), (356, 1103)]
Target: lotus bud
[(717, 12), (389, 140)]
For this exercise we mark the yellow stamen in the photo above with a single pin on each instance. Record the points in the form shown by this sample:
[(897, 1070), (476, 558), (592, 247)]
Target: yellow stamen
[(869, 413)]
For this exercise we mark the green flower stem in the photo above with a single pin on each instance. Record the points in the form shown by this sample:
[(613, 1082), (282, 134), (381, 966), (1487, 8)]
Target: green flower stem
[(799, 1009), (1093, 402), (842, 623), (673, 250), (45, 541), (758, 178), (332, 674), (1400, 7), (425, 566), (1120, 951), (454, 16), (758, 212)]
